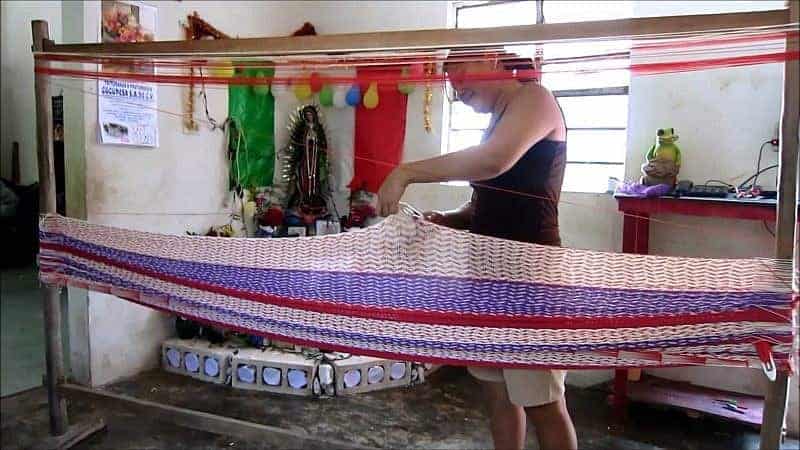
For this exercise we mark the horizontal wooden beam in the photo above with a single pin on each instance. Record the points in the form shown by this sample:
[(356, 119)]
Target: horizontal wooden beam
[(203, 421), (646, 27), (75, 434)]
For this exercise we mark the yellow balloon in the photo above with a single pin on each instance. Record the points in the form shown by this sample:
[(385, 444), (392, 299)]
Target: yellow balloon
[(222, 70), (371, 96), (302, 91)]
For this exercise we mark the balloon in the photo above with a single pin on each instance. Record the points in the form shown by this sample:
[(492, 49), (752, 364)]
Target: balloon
[(326, 95), (353, 95), (339, 97), (302, 91), (223, 69), (371, 96), (405, 88), (315, 81)]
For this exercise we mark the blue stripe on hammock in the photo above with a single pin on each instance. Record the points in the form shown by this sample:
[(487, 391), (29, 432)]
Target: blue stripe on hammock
[(73, 268), (443, 294)]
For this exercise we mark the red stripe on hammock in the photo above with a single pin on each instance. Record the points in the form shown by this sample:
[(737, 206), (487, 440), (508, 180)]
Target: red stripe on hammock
[(440, 318), (782, 364)]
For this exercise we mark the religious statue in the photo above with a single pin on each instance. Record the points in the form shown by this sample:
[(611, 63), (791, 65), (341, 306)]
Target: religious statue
[(305, 164)]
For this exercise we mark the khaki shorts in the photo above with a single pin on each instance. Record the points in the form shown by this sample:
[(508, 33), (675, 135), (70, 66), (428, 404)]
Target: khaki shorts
[(525, 387)]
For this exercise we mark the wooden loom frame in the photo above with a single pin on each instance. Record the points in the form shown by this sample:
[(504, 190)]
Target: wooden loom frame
[(58, 389)]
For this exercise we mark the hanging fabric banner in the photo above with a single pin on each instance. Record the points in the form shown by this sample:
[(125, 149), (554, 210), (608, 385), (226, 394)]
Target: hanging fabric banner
[(379, 132), (251, 142)]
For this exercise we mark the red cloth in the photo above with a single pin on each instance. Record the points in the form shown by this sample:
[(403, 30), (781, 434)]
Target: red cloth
[(379, 133)]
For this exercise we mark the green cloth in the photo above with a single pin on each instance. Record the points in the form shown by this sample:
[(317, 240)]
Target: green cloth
[(252, 137)]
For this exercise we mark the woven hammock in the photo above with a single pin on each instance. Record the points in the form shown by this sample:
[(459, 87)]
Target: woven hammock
[(411, 290)]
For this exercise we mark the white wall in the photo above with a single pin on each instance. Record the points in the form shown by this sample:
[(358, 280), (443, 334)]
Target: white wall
[(18, 114)]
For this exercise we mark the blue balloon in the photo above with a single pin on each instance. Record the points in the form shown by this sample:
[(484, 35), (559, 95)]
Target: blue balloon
[(353, 97), (293, 221)]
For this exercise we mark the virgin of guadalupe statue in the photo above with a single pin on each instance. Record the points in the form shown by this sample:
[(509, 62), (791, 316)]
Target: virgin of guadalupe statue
[(305, 165)]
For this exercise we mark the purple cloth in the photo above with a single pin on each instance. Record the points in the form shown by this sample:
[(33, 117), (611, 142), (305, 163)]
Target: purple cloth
[(641, 190)]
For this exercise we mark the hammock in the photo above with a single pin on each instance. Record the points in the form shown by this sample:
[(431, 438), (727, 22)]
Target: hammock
[(408, 289)]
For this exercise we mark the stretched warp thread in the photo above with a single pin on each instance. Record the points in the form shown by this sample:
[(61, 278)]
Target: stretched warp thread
[(412, 290)]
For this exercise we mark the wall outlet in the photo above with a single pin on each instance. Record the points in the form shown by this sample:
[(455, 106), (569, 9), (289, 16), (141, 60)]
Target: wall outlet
[(776, 136)]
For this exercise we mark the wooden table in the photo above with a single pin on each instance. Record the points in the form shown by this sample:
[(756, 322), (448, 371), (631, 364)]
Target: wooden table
[(636, 230)]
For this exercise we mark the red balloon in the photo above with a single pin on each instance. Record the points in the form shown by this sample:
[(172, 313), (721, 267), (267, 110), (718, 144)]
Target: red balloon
[(316, 82)]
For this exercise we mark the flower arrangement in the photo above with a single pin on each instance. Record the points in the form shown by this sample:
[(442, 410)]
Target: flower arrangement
[(121, 24)]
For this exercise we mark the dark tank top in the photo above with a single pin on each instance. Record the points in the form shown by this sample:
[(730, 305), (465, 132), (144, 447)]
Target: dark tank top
[(528, 218)]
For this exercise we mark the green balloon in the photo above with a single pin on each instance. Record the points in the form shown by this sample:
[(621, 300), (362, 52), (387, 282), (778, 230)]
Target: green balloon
[(405, 88), (326, 95)]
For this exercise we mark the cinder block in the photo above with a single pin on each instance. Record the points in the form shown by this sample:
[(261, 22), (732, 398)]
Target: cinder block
[(197, 359), (359, 374), (273, 371)]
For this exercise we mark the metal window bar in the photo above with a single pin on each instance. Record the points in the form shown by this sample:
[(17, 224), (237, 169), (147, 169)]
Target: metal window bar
[(585, 92)]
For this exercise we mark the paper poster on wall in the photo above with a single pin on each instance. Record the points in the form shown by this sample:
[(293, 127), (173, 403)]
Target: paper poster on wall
[(127, 109), (127, 113)]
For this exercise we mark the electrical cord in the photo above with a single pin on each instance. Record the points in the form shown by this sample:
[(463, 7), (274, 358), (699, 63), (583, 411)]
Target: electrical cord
[(212, 122), (758, 164), (743, 183), (721, 182), (766, 227), (754, 177)]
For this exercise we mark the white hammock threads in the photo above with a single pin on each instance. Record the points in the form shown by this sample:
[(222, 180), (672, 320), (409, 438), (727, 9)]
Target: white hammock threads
[(411, 290)]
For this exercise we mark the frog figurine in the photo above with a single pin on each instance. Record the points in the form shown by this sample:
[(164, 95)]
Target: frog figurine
[(663, 160)]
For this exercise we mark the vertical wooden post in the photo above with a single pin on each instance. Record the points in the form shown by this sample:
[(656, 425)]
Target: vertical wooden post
[(54, 352), (15, 167), (777, 391)]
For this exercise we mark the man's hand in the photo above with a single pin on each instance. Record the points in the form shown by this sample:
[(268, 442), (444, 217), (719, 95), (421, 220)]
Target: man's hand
[(391, 191)]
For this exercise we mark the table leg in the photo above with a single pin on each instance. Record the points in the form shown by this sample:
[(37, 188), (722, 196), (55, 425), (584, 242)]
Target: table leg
[(636, 233), (635, 239)]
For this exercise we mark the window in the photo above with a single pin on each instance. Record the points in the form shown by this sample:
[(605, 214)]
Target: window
[(594, 102)]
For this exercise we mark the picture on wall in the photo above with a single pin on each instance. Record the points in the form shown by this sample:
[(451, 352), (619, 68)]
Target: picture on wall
[(127, 22)]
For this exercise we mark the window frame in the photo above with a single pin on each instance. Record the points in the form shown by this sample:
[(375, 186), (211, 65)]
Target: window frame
[(563, 93)]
